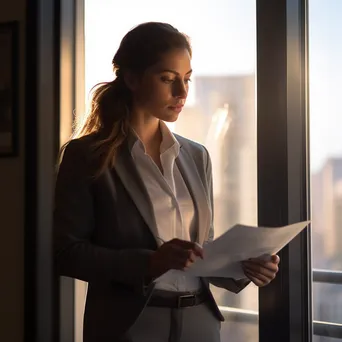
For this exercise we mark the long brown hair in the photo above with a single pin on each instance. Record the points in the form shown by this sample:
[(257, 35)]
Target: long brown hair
[(111, 102)]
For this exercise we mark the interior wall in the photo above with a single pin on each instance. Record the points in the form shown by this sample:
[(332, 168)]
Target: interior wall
[(12, 189)]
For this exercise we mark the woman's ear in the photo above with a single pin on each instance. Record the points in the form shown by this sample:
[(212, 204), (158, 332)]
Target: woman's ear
[(131, 80)]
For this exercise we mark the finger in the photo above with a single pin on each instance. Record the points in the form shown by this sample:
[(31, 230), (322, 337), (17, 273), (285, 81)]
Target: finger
[(185, 256), (199, 250), (271, 267), (180, 264), (267, 258), (253, 265), (188, 263), (196, 248), (264, 273), (264, 279), (185, 262), (181, 253), (258, 264), (275, 258), (255, 280), (177, 259), (192, 256)]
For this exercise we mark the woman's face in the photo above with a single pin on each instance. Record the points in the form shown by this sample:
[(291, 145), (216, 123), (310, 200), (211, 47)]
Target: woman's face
[(162, 90)]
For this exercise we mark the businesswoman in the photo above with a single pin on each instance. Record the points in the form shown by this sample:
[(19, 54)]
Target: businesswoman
[(134, 201)]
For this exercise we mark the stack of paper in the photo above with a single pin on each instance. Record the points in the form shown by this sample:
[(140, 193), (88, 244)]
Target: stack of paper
[(223, 256)]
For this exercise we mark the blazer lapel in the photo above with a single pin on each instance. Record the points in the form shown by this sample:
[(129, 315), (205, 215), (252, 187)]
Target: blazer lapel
[(188, 169), (129, 175)]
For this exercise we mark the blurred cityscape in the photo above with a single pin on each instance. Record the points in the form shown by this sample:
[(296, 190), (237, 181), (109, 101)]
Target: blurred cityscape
[(326, 198), (223, 118)]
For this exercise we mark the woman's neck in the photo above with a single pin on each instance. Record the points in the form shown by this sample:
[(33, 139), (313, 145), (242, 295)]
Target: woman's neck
[(148, 131)]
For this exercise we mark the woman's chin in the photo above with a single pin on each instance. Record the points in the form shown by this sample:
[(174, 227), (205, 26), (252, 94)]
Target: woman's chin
[(172, 119), (171, 116)]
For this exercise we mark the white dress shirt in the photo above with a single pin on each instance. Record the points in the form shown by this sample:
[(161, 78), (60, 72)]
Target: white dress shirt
[(172, 204)]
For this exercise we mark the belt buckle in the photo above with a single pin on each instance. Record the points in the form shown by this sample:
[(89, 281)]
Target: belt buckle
[(191, 298)]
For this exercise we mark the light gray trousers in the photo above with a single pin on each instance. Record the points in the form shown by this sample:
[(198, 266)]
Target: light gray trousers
[(193, 324)]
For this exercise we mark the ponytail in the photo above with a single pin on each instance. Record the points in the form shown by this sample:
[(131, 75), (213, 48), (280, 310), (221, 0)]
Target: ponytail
[(109, 116)]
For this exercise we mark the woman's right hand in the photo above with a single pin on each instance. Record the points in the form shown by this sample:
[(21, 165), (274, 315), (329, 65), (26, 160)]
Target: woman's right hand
[(175, 254)]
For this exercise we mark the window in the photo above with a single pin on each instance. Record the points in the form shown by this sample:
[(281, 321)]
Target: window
[(222, 99), (221, 102), (325, 30)]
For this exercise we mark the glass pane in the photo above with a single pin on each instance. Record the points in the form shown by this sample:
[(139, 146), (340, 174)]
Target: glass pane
[(324, 339), (325, 49), (220, 111)]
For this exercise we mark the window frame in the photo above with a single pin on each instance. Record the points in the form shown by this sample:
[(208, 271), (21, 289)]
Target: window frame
[(285, 312)]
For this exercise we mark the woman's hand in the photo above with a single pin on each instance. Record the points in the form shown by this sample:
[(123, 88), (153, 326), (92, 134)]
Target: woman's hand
[(261, 272), (175, 254)]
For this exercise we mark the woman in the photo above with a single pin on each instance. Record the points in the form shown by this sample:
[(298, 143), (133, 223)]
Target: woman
[(134, 201)]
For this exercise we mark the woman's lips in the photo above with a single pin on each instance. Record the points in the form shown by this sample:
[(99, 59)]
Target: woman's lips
[(177, 108)]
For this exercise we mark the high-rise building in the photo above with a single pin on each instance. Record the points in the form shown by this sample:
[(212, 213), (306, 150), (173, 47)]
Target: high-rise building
[(224, 119), (326, 200), (327, 213), (231, 143)]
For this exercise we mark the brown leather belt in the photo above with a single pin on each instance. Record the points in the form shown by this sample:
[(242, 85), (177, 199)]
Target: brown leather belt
[(176, 300)]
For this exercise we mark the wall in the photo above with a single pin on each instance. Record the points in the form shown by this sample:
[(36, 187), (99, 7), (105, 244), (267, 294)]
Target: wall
[(12, 206)]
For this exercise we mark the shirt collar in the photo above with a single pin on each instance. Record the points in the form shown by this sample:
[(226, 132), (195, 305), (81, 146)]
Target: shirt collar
[(169, 141)]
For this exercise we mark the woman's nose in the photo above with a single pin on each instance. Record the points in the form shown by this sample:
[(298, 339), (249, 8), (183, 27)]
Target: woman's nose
[(180, 90)]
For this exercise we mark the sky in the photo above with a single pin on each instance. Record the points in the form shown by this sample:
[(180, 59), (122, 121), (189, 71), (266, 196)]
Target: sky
[(229, 27), (325, 72)]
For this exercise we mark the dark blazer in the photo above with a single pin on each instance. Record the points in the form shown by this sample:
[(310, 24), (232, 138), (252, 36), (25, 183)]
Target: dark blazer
[(103, 232)]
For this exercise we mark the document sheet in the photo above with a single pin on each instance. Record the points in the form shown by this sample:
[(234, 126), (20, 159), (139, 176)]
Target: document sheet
[(223, 256)]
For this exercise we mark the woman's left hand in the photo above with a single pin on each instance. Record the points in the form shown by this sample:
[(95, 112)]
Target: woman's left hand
[(261, 272)]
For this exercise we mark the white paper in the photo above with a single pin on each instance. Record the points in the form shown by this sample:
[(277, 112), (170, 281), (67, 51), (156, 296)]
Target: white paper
[(223, 256)]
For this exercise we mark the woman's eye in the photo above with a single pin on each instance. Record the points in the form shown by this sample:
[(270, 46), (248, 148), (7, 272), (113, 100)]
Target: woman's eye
[(171, 80), (167, 80)]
